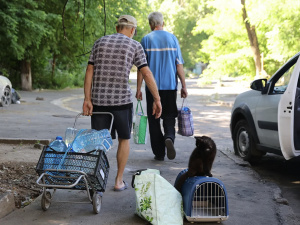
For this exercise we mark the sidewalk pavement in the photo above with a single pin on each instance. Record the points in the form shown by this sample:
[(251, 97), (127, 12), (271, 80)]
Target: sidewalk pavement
[(7, 199), (251, 198), (226, 100)]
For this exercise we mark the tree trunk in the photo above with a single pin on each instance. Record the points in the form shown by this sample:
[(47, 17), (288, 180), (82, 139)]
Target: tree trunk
[(253, 40), (26, 81), (53, 67)]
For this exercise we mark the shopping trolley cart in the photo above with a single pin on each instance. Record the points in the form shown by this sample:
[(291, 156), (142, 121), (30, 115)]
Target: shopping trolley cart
[(204, 199), (72, 170)]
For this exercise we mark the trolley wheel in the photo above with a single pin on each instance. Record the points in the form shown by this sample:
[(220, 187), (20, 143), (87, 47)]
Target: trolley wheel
[(97, 201), (45, 203)]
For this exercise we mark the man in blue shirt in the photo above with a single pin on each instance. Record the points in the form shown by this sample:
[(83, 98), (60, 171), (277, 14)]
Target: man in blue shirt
[(166, 63)]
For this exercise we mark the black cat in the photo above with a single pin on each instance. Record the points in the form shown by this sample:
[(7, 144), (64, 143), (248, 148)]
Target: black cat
[(201, 160)]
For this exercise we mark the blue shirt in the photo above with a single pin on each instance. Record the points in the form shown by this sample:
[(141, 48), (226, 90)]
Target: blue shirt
[(163, 54)]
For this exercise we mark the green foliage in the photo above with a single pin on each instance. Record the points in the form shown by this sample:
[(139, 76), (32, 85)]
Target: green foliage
[(33, 30), (185, 21), (211, 31), (22, 28), (227, 48)]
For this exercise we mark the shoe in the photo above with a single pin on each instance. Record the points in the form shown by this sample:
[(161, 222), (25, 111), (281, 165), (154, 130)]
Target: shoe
[(122, 188), (159, 158), (171, 152)]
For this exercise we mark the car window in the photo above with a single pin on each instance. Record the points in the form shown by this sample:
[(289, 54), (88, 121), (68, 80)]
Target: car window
[(283, 81)]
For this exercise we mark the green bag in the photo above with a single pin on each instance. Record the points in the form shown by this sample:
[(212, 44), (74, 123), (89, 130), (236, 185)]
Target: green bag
[(140, 125), (157, 201)]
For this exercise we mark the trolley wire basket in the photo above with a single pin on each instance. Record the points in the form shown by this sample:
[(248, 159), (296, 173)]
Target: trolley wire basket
[(204, 199), (95, 166), (73, 170)]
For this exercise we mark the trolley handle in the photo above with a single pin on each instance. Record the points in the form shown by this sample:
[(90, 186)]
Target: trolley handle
[(108, 113)]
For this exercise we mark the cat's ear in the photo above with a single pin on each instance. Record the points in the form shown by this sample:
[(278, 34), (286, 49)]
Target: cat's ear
[(198, 140)]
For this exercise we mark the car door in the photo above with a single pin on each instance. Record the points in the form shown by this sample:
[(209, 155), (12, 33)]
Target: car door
[(289, 116), (266, 111), (266, 120)]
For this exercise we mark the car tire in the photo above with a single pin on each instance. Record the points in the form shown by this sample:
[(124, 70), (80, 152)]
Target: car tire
[(243, 142), (6, 97)]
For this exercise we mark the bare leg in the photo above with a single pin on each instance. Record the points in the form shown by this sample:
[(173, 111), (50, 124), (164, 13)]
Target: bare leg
[(122, 157)]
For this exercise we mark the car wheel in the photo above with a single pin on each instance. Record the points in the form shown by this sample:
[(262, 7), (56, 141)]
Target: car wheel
[(6, 98), (243, 142)]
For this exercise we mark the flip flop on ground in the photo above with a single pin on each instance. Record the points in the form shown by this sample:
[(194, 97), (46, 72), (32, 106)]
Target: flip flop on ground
[(122, 188)]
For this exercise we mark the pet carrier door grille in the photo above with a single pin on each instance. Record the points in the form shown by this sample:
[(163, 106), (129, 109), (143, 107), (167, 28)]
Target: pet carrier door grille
[(209, 201), (204, 199)]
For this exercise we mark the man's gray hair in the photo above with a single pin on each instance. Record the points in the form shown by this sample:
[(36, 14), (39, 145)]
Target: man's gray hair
[(156, 19)]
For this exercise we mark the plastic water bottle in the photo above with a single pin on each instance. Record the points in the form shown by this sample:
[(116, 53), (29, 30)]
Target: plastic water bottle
[(89, 140), (186, 110), (70, 135), (58, 144)]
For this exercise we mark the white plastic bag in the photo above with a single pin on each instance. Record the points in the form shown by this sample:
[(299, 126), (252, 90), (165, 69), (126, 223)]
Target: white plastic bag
[(157, 201)]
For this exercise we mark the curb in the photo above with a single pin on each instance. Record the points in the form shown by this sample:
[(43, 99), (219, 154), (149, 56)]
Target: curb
[(237, 160), (7, 203), (222, 103), (7, 199), (24, 141), (216, 100)]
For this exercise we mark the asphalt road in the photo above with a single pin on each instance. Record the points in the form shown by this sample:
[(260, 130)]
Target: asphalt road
[(252, 198), (286, 174)]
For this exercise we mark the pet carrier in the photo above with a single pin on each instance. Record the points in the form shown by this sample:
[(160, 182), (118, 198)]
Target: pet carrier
[(204, 199)]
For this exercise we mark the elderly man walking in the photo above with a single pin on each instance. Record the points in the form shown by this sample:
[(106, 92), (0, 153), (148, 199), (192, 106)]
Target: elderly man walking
[(166, 63), (106, 87)]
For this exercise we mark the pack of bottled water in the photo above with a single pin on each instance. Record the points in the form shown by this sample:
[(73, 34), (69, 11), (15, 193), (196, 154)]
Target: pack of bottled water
[(86, 140)]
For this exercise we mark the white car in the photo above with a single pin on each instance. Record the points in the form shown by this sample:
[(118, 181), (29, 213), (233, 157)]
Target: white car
[(5, 91), (267, 118)]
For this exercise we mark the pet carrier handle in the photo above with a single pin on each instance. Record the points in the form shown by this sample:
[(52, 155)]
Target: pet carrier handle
[(107, 113)]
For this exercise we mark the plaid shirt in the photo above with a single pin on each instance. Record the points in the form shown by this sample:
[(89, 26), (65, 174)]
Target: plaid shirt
[(113, 57)]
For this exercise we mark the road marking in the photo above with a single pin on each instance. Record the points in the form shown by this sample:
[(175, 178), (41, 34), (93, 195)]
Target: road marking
[(62, 102)]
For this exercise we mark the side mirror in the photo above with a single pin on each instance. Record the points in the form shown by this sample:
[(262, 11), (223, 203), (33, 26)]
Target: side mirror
[(258, 85)]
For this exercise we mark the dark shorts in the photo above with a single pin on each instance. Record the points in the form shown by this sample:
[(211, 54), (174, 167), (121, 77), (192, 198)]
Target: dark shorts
[(122, 120)]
